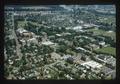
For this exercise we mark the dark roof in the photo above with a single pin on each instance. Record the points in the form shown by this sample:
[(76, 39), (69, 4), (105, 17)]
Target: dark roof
[(70, 59)]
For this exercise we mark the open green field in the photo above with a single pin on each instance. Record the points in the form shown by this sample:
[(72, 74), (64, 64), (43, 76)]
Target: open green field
[(104, 33), (107, 50), (22, 23), (70, 52)]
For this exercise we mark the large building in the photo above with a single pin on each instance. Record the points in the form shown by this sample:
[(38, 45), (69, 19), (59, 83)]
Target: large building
[(92, 64)]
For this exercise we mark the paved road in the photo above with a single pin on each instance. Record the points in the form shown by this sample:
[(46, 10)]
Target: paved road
[(18, 51)]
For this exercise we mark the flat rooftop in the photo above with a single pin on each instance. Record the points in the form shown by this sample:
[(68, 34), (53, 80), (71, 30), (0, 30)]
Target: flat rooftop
[(47, 43), (92, 64)]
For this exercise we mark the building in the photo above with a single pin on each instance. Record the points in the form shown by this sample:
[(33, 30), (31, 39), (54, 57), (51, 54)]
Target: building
[(102, 43), (24, 33), (48, 43), (92, 46), (66, 56), (92, 64), (65, 34), (88, 26), (21, 30), (80, 49), (108, 72), (107, 59), (58, 35), (77, 28), (70, 60), (27, 34), (33, 40)]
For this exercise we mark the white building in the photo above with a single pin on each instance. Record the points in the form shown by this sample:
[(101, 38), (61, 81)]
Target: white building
[(58, 35), (80, 48), (77, 28), (48, 43), (21, 30), (92, 64), (102, 43)]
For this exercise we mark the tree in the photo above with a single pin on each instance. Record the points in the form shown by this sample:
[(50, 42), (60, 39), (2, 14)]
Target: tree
[(61, 49)]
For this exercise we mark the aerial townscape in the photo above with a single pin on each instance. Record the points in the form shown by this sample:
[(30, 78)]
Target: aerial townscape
[(60, 42)]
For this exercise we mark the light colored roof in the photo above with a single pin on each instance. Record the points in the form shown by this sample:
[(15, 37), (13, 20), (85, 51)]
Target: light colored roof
[(92, 64), (110, 31), (77, 27), (88, 25), (58, 34), (102, 43), (47, 43), (16, 14), (21, 30), (80, 48), (22, 40), (32, 39)]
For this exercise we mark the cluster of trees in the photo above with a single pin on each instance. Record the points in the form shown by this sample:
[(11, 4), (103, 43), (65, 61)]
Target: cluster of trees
[(61, 49), (9, 43), (41, 49), (110, 41), (10, 47)]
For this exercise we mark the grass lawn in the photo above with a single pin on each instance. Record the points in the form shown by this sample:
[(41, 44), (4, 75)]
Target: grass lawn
[(70, 52), (22, 24), (107, 50), (105, 33)]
